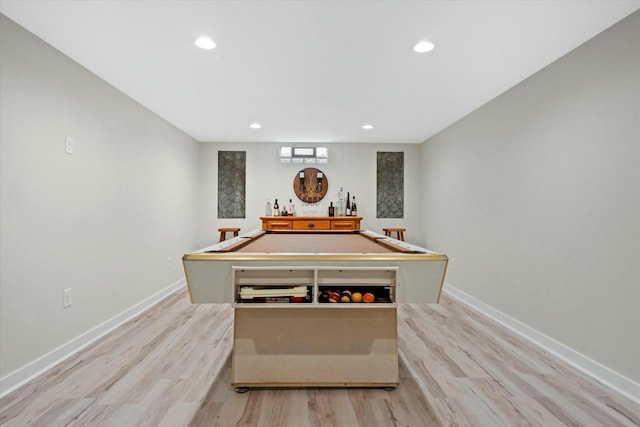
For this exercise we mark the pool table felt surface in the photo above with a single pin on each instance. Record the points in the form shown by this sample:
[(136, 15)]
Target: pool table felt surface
[(316, 243)]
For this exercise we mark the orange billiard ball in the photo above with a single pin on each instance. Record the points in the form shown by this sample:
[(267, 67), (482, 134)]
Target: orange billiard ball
[(356, 297), (368, 297)]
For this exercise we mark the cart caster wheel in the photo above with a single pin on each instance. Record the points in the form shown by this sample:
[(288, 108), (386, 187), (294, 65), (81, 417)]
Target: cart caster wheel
[(388, 388), (241, 389)]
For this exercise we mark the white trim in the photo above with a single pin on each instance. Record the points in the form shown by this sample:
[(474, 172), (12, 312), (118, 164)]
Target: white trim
[(33, 369), (599, 372)]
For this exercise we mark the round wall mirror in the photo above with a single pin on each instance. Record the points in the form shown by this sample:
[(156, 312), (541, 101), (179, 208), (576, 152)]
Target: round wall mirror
[(310, 185)]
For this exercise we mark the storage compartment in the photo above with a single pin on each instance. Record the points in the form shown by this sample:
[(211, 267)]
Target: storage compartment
[(357, 287), (278, 343), (305, 347), (275, 294), (355, 295), (264, 285)]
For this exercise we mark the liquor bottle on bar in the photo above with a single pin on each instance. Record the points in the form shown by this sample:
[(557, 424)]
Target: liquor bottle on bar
[(292, 208), (332, 210), (354, 209), (276, 209), (267, 209), (348, 210), (341, 202)]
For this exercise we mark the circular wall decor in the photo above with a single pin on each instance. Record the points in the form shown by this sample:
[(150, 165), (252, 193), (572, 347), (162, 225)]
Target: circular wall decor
[(310, 185)]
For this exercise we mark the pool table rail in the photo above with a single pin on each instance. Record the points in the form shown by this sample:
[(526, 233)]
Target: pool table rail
[(396, 248)]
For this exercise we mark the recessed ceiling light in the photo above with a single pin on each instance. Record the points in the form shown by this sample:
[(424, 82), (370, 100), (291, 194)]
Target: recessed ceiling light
[(423, 47), (205, 43), (255, 125), (367, 126)]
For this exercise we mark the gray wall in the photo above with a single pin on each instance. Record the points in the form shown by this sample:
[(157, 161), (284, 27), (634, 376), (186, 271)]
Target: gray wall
[(352, 166), (536, 198), (111, 221)]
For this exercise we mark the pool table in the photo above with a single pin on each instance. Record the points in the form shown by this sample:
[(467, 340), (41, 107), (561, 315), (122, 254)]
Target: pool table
[(208, 271), (285, 333)]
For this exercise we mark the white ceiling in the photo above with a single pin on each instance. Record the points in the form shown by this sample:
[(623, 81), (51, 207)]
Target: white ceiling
[(314, 71)]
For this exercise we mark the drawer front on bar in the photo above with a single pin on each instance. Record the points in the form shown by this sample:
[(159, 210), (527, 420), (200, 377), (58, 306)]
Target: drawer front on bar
[(279, 225), (312, 225), (343, 225)]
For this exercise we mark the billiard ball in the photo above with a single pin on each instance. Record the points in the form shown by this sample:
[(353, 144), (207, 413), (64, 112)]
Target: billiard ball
[(334, 297), (356, 297), (368, 297), (324, 296)]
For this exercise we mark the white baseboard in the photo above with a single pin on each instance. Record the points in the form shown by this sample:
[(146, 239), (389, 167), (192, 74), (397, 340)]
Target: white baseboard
[(599, 372), (27, 373)]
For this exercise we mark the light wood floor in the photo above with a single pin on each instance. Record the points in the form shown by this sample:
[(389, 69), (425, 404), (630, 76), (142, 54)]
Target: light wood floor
[(171, 367)]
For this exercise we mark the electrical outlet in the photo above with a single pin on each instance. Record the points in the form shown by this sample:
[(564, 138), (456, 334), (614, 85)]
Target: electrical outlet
[(66, 298)]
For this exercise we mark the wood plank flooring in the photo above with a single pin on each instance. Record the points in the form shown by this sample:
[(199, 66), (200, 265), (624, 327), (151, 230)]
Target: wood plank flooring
[(171, 366)]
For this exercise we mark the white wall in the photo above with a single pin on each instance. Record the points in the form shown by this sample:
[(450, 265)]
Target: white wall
[(536, 198), (352, 166), (111, 221)]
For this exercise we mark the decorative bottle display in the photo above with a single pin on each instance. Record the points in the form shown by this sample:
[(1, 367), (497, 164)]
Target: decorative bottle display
[(292, 208), (276, 208), (348, 209), (354, 209), (332, 210), (267, 209)]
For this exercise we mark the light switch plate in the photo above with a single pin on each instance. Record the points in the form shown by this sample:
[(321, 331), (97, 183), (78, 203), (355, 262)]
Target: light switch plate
[(68, 147)]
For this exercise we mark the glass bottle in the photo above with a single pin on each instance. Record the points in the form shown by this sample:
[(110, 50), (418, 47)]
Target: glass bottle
[(348, 209), (341, 202)]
